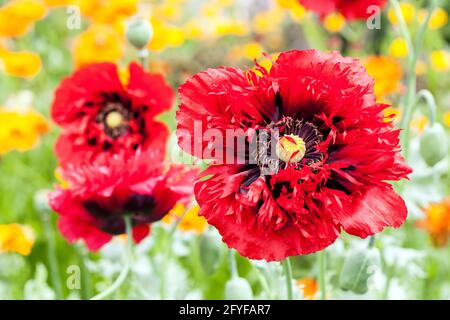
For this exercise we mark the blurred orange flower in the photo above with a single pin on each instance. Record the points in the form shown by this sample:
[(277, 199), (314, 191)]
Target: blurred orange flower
[(108, 11), (18, 16), (57, 3), (308, 286), (99, 43), (16, 238), (437, 222), (165, 35), (23, 64), (387, 73), (191, 220), (20, 129)]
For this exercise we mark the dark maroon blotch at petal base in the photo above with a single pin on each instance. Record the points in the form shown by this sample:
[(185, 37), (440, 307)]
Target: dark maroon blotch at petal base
[(341, 183), (102, 193)]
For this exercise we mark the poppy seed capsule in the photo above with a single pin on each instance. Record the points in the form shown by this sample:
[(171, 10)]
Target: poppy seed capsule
[(139, 33), (114, 120), (434, 144), (290, 148)]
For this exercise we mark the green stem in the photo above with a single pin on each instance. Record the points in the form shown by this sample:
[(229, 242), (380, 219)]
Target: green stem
[(414, 50), (86, 289), (288, 274), (126, 269), (143, 55), (322, 261), (166, 258), (431, 103), (264, 284), (232, 263), (51, 253)]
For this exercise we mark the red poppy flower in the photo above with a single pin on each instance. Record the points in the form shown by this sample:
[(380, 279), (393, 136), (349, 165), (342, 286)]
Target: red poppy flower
[(350, 9), (334, 150), (100, 115), (100, 194)]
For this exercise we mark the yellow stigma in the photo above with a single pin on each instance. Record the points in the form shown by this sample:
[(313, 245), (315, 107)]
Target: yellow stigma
[(114, 119), (290, 148)]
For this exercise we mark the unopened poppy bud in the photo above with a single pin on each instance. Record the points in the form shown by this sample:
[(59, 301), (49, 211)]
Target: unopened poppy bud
[(434, 144), (358, 267), (139, 33), (238, 289), (41, 201)]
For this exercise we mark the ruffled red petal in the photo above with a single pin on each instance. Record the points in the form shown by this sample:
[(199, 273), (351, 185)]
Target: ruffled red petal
[(149, 89), (350, 9), (82, 87)]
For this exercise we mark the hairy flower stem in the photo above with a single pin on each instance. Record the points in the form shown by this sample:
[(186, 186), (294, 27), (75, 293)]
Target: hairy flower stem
[(288, 274), (167, 256), (414, 49), (126, 268), (232, 263), (322, 261), (51, 253), (143, 58), (86, 284)]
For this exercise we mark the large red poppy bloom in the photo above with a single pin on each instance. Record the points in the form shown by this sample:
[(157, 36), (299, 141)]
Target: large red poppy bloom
[(350, 9), (100, 194), (102, 116), (335, 152)]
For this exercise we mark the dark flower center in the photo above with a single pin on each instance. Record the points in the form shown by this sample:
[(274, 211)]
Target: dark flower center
[(114, 117), (287, 142), (111, 221)]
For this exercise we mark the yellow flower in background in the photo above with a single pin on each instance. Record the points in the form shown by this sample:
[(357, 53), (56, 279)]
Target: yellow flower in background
[(387, 73), (18, 16), (168, 11), (23, 64), (447, 118), (165, 35), (440, 60), (191, 220), (398, 48), (334, 22), (224, 3), (438, 19), (20, 129), (194, 30), (210, 10), (308, 287), (98, 43), (392, 114), (419, 123), (421, 68), (16, 238), (408, 12), (268, 21), (252, 50), (108, 11), (228, 26), (58, 3), (437, 222)]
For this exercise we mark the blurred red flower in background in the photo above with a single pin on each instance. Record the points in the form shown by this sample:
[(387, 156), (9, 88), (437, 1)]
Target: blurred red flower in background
[(350, 9), (100, 194), (100, 115), (335, 153)]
